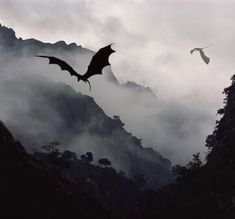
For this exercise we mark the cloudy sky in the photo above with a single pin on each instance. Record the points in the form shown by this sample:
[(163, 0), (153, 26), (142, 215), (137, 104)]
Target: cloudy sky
[(152, 39)]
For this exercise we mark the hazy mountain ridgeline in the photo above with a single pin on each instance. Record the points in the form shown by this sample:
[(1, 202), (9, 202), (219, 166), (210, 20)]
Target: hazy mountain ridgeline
[(151, 119), (200, 192), (31, 189), (39, 110)]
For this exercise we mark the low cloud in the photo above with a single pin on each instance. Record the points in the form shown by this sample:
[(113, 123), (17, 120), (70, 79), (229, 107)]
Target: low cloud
[(152, 40), (175, 129)]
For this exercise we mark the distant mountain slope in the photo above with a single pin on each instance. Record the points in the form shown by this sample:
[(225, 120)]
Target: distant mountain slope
[(9, 43), (139, 89), (151, 118), (39, 110), (57, 112)]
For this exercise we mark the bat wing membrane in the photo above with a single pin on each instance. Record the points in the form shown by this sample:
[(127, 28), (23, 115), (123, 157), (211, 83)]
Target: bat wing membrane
[(63, 65), (204, 57), (99, 61)]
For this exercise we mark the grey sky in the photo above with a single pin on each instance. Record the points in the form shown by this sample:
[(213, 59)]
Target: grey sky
[(152, 39)]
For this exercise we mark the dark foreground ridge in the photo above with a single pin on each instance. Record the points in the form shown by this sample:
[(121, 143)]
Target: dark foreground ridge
[(29, 189), (33, 188), (206, 192)]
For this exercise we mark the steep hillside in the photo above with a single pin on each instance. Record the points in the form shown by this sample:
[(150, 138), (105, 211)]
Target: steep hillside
[(207, 191), (139, 90), (112, 189), (29, 189), (75, 120), (39, 110)]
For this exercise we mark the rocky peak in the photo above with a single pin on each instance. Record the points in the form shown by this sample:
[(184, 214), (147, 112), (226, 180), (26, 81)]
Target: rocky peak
[(139, 88), (7, 36)]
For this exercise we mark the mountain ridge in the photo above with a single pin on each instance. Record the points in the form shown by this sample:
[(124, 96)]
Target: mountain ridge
[(75, 119), (30, 189), (8, 38)]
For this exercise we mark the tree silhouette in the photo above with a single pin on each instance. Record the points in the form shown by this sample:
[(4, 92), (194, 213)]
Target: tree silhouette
[(195, 163), (87, 158), (181, 171), (221, 141), (69, 156), (140, 180), (53, 151), (118, 120), (105, 162)]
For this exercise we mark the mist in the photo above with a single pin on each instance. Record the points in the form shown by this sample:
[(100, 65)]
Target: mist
[(152, 40), (174, 128)]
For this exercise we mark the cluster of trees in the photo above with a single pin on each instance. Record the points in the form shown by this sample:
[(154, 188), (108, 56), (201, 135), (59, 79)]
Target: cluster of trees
[(55, 156), (67, 158), (118, 120), (221, 136), (181, 171)]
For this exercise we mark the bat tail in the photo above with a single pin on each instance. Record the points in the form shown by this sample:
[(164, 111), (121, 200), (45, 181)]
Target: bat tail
[(85, 80)]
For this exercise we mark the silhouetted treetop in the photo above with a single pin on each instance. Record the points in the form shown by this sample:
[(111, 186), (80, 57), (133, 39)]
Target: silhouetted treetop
[(87, 158), (224, 132), (69, 156), (53, 151), (105, 162)]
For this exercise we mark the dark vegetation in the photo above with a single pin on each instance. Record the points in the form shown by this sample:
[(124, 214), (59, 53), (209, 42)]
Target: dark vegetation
[(206, 191), (55, 184), (181, 171), (59, 183), (102, 183), (31, 189)]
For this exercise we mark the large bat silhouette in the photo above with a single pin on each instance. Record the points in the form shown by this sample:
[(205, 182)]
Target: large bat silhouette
[(98, 62), (203, 56)]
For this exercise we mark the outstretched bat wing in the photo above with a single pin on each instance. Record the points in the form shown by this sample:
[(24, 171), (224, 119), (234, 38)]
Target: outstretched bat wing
[(63, 65), (204, 57), (98, 62)]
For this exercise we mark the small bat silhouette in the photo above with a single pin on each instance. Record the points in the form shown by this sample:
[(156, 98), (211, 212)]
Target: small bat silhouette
[(203, 56), (98, 62)]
